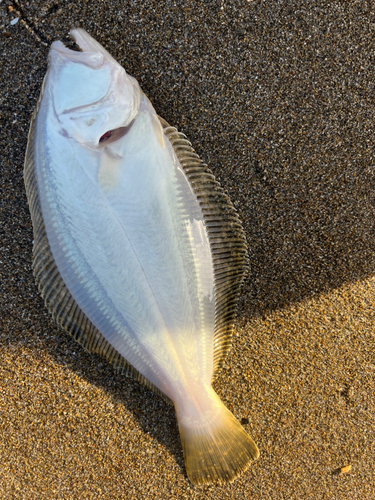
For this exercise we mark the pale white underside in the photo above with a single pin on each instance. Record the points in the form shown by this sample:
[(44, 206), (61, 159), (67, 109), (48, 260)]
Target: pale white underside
[(127, 235)]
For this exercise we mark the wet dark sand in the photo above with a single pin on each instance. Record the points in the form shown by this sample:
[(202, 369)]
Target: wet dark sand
[(279, 100)]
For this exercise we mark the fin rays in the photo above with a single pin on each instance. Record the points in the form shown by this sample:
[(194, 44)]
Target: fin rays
[(218, 451)]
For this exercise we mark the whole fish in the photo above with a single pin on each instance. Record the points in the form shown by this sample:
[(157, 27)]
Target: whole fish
[(138, 253)]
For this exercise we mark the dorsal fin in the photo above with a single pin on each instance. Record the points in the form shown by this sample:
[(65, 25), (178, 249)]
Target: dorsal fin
[(226, 236)]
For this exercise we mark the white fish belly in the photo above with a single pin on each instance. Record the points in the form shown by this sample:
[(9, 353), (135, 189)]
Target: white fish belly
[(128, 237)]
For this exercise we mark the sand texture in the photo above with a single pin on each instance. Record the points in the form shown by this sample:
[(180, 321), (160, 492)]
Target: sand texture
[(278, 98)]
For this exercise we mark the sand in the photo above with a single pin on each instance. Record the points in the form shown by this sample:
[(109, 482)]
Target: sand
[(278, 99)]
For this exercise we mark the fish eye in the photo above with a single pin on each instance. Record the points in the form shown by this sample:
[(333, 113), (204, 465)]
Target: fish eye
[(106, 136), (114, 135)]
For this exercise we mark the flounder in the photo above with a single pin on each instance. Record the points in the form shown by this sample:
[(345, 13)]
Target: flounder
[(138, 253)]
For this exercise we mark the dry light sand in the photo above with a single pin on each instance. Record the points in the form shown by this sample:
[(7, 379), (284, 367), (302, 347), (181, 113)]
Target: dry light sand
[(278, 98)]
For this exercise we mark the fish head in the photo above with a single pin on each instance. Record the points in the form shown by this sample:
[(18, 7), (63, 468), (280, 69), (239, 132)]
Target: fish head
[(94, 99)]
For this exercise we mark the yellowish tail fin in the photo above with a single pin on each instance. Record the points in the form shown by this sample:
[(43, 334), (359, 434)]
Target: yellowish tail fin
[(216, 447)]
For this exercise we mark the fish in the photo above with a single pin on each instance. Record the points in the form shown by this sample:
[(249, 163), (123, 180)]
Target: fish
[(138, 252)]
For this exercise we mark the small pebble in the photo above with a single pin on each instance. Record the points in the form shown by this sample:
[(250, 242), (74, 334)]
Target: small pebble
[(345, 469)]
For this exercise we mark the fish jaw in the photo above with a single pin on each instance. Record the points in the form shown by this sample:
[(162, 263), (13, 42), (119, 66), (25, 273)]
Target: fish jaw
[(92, 95)]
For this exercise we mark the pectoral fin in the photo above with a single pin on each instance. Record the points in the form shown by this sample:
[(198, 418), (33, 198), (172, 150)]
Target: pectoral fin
[(108, 172)]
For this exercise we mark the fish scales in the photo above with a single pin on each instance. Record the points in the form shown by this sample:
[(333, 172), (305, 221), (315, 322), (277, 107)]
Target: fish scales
[(138, 253)]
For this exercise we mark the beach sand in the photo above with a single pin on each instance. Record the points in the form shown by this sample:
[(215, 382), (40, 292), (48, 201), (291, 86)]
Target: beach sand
[(278, 99)]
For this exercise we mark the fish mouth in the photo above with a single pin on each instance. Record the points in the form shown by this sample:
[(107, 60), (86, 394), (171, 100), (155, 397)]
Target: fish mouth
[(91, 53), (88, 44)]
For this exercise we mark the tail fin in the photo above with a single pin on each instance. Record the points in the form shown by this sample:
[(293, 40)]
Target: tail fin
[(216, 447)]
